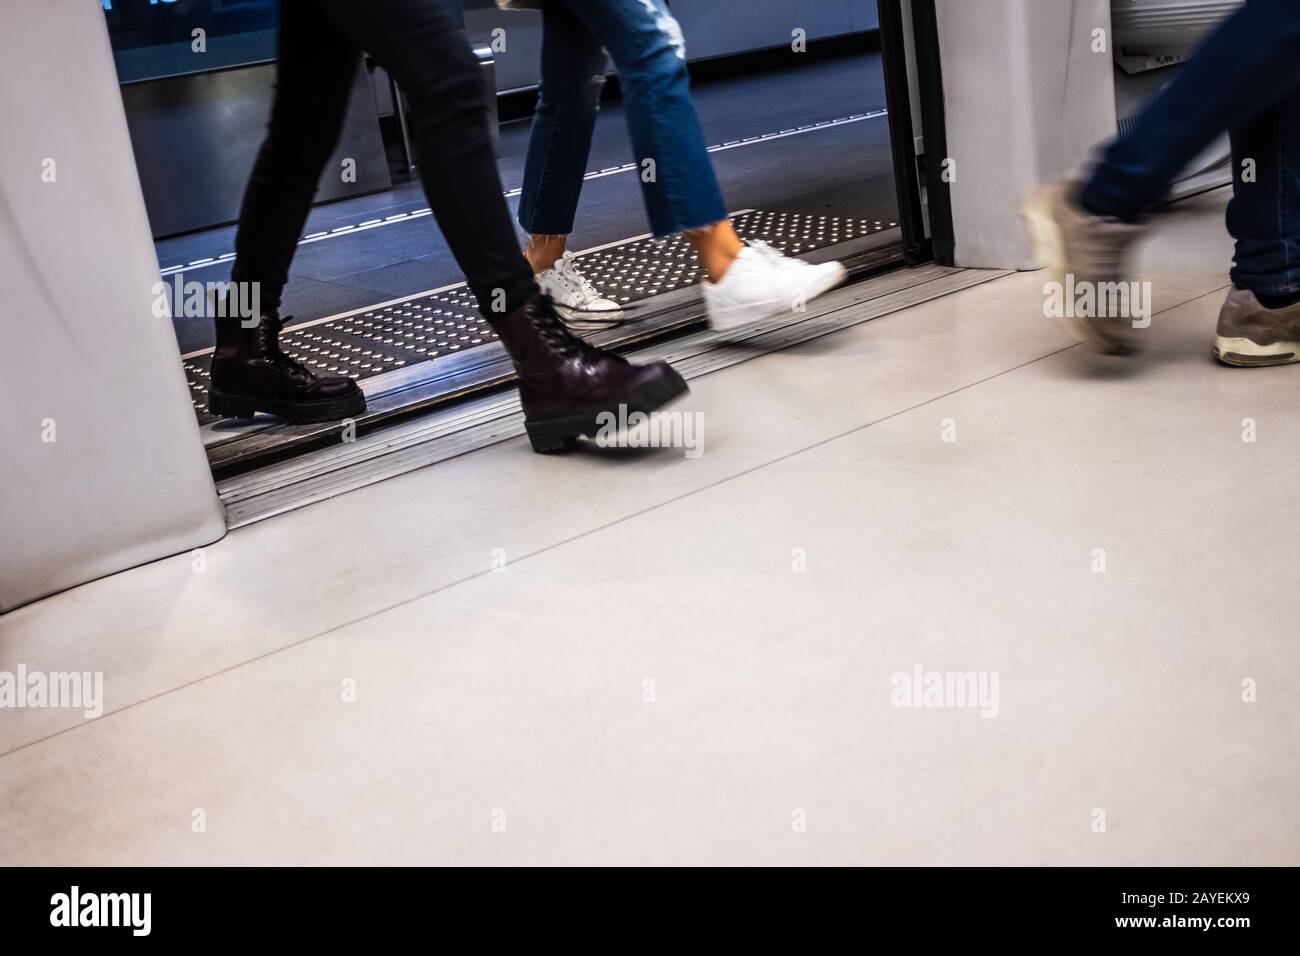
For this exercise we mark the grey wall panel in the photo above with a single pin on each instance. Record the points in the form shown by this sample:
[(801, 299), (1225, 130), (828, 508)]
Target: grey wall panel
[(83, 359), (1026, 99), (712, 28), (196, 138), (516, 64), (722, 27)]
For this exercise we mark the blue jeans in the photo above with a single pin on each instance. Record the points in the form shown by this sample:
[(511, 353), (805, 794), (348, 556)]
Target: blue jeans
[(1244, 79), (678, 183)]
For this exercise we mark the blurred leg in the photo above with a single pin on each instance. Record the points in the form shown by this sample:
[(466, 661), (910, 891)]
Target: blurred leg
[(573, 74), (1242, 70), (678, 183), (1259, 324), (432, 61), (565, 385), (249, 371), (314, 77), (1264, 215)]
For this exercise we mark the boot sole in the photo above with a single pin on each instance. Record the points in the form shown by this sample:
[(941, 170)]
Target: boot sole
[(228, 405), (550, 436), (1243, 353)]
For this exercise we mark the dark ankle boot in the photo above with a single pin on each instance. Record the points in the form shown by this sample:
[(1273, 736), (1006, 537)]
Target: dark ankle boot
[(564, 383), (251, 374)]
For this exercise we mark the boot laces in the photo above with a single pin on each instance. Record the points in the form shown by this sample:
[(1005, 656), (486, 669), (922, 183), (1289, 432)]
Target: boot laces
[(272, 326), (559, 337), (773, 256), (567, 271)]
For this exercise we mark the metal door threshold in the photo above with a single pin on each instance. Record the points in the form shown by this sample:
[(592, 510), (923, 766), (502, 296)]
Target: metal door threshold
[(479, 422)]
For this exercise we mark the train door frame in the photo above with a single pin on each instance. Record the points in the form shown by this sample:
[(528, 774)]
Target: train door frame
[(909, 43)]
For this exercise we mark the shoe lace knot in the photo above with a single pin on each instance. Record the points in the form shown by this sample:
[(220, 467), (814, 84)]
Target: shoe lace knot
[(271, 327), (557, 335), (773, 256), (583, 290)]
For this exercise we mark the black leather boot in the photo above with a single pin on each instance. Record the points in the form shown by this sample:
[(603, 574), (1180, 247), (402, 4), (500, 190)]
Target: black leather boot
[(564, 383), (251, 374)]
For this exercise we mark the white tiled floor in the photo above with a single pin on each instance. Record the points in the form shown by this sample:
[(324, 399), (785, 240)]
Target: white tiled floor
[(519, 697)]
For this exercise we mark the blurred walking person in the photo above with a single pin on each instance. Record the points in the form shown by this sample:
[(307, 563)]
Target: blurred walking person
[(745, 283), (1243, 79), (565, 383)]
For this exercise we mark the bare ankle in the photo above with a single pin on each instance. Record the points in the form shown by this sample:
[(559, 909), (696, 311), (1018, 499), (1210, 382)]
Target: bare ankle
[(717, 247), (543, 252)]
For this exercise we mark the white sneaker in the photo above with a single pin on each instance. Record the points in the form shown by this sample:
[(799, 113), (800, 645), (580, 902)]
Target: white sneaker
[(762, 284), (575, 298)]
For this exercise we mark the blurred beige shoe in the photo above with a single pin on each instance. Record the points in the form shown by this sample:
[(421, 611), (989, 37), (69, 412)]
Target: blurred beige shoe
[(1083, 250)]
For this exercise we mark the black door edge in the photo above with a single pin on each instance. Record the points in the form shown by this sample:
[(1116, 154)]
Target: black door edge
[(911, 172)]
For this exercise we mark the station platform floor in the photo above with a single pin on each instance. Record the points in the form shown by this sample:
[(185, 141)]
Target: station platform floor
[(644, 658)]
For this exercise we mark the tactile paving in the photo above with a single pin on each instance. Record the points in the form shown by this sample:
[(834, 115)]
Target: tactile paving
[(426, 328)]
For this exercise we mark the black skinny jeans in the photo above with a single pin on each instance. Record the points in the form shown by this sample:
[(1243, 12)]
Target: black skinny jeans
[(320, 45)]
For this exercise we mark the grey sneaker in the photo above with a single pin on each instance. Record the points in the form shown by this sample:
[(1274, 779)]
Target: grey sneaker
[(1250, 334), (1080, 248)]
